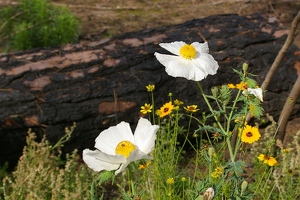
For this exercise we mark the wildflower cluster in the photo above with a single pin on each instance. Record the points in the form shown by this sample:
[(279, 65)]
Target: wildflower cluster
[(176, 151), (226, 121)]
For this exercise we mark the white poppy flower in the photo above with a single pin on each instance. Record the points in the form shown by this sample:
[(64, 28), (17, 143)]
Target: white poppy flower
[(209, 194), (191, 61), (256, 92), (116, 146)]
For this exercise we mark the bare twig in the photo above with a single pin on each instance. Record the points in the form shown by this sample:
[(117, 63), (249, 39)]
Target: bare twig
[(287, 109), (281, 53), (290, 102)]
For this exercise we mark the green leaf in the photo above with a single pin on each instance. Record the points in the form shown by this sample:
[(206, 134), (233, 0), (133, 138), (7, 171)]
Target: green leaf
[(208, 128)]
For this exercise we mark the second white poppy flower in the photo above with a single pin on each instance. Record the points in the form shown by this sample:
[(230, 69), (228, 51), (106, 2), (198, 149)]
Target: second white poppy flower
[(116, 146)]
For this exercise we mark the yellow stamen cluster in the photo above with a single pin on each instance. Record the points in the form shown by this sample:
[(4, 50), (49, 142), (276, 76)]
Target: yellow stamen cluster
[(125, 148), (188, 52)]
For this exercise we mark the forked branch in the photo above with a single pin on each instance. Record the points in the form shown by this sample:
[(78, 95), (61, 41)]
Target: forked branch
[(281, 53)]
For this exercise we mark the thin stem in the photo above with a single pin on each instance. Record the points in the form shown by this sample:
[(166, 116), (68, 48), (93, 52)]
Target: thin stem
[(219, 124), (153, 107), (211, 109), (186, 137), (232, 110)]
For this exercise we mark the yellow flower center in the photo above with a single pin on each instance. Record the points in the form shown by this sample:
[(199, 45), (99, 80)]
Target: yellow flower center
[(187, 51), (125, 148)]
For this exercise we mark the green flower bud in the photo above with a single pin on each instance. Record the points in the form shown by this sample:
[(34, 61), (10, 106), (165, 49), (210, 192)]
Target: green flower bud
[(211, 151), (215, 91), (245, 66), (244, 186)]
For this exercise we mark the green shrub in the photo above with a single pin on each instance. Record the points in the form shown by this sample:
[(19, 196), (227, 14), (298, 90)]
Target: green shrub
[(37, 23)]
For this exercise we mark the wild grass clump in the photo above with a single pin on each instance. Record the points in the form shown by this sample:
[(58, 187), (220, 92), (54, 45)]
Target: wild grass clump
[(41, 173), (36, 23)]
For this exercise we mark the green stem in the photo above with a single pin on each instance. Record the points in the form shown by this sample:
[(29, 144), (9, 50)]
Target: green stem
[(226, 133), (185, 139), (211, 109), (153, 108)]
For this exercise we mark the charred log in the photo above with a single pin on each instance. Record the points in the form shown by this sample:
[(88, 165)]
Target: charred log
[(100, 83)]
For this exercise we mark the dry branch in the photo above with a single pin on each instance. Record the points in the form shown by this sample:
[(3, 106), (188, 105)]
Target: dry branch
[(281, 53), (287, 110)]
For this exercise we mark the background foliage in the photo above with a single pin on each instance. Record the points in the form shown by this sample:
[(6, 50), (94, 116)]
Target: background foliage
[(36, 23)]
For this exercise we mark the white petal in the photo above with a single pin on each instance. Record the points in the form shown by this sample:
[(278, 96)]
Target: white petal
[(181, 68), (108, 139), (135, 155), (145, 135), (207, 63), (175, 65), (199, 73), (99, 161), (165, 59), (201, 47), (256, 92), (173, 47)]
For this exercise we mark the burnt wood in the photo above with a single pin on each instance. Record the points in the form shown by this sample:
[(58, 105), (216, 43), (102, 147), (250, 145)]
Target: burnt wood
[(100, 83)]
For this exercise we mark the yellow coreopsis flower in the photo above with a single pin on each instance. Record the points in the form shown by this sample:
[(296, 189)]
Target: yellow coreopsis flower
[(165, 110), (241, 86), (178, 102), (239, 119), (250, 134), (215, 175), (191, 108), (170, 181), (141, 166), (147, 108), (231, 86), (150, 88), (269, 160)]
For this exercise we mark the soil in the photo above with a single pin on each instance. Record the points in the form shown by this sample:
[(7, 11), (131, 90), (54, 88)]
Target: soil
[(110, 18)]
